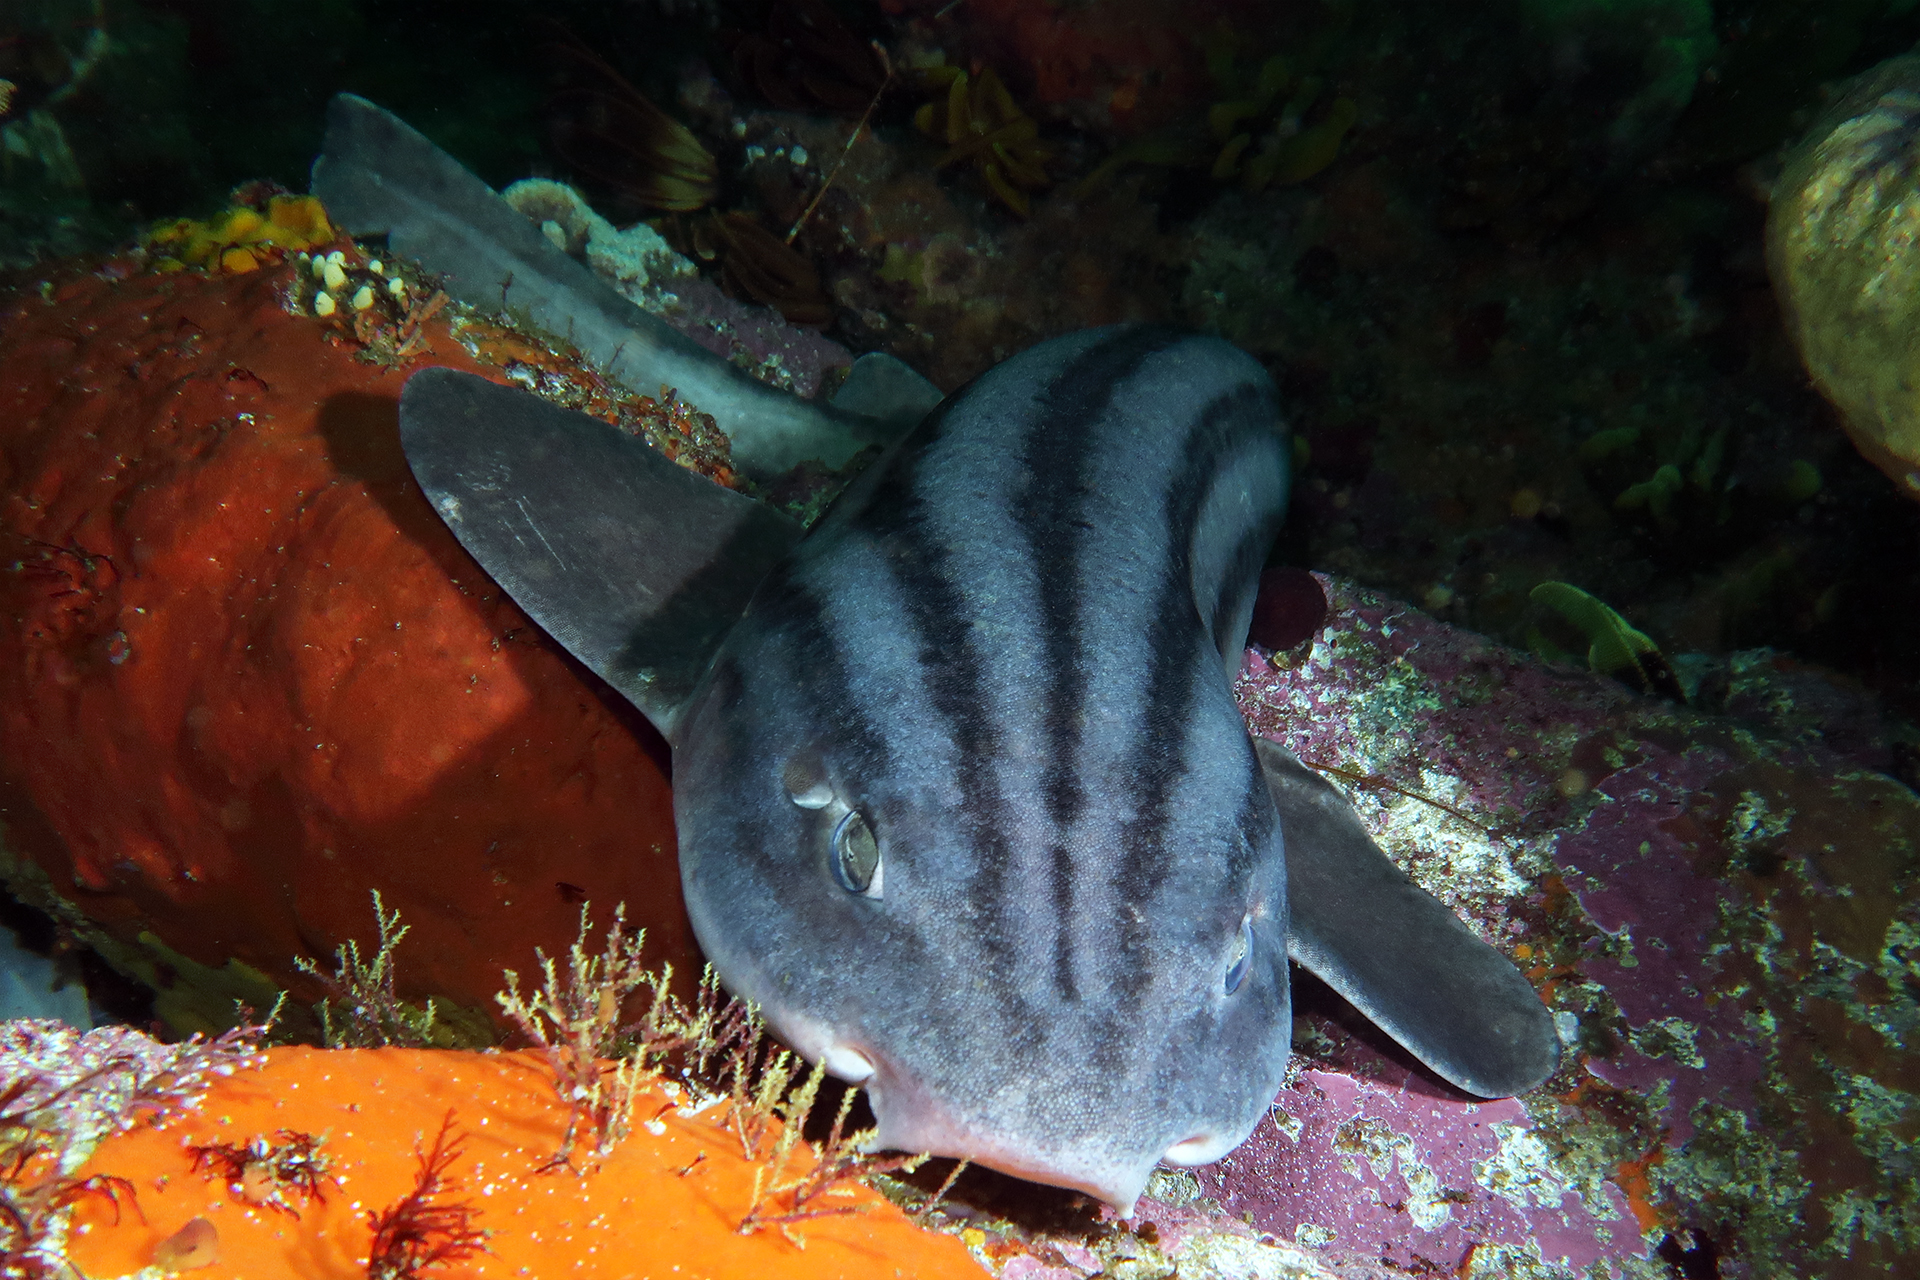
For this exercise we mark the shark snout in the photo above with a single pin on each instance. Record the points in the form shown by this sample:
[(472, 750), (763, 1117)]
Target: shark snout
[(1080, 1136), (1110, 1165)]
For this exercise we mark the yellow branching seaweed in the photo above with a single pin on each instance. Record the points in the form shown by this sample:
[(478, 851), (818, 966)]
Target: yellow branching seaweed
[(576, 1019), (1264, 138), (1275, 128), (980, 123), (837, 1163)]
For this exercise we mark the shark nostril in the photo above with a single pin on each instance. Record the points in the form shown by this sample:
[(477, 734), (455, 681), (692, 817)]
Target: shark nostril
[(807, 784), (847, 1063), (1201, 1148)]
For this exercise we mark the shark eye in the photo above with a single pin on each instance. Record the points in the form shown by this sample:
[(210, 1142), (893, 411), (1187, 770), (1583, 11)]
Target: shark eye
[(856, 856), (1242, 959)]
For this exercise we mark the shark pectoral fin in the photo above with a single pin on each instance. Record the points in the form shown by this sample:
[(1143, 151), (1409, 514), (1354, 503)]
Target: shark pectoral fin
[(888, 389), (1397, 953), (638, 566)]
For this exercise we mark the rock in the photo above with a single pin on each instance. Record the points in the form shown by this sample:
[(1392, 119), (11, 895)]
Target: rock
[(1840, 246), (1725, 926), (31, 986)]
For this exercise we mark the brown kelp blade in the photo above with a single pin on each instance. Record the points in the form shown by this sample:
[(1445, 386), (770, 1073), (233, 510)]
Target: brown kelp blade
[(761, 265), (604, 128)]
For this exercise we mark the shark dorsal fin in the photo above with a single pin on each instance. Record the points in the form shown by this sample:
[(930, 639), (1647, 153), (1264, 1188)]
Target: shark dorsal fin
[(378, 176), (638, 566), (1395, 952)]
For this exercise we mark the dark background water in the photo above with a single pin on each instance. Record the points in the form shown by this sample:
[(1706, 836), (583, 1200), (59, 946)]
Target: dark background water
[(1532, 275)]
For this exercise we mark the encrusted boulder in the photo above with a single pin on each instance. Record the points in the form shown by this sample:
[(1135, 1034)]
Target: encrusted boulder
[(246, 674), (1841, 246), (1724, 924)]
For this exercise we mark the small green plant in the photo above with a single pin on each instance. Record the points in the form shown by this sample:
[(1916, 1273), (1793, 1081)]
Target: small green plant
[(600, 1065), (766, 1086), (1614, 647), (763, 1093), (1656, 494), (838, 1162), (576, 1019), (360, 1010)]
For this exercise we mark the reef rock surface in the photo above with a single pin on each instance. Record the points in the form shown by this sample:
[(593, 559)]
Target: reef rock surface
[(1724, 925)]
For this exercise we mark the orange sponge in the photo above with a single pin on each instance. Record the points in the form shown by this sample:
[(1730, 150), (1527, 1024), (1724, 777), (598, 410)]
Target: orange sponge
[(247, 675), (667, 1202), (242, 238)]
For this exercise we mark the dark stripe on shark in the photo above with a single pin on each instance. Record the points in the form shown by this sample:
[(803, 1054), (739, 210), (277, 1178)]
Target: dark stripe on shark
[(1227, 423), (1056, 440), (1257, 819), (1062, 443), (749, 827), (953, 682), (827, 687), (1063, 932)]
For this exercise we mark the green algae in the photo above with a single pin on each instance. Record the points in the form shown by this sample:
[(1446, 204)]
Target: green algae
[(1655, 494), (1671, 41), (1741, 1181), (1614, 646)]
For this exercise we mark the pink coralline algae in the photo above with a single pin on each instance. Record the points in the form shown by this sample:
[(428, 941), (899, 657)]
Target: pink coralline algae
[(1422, 1176), (789, 356), (61, 1092), (1724, 925)]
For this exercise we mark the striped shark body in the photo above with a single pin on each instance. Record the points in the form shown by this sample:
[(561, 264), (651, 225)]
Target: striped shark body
[(964, 802)]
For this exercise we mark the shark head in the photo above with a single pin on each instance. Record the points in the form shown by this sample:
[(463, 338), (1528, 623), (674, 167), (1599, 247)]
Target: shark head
[(920, 924), (964, 801)]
